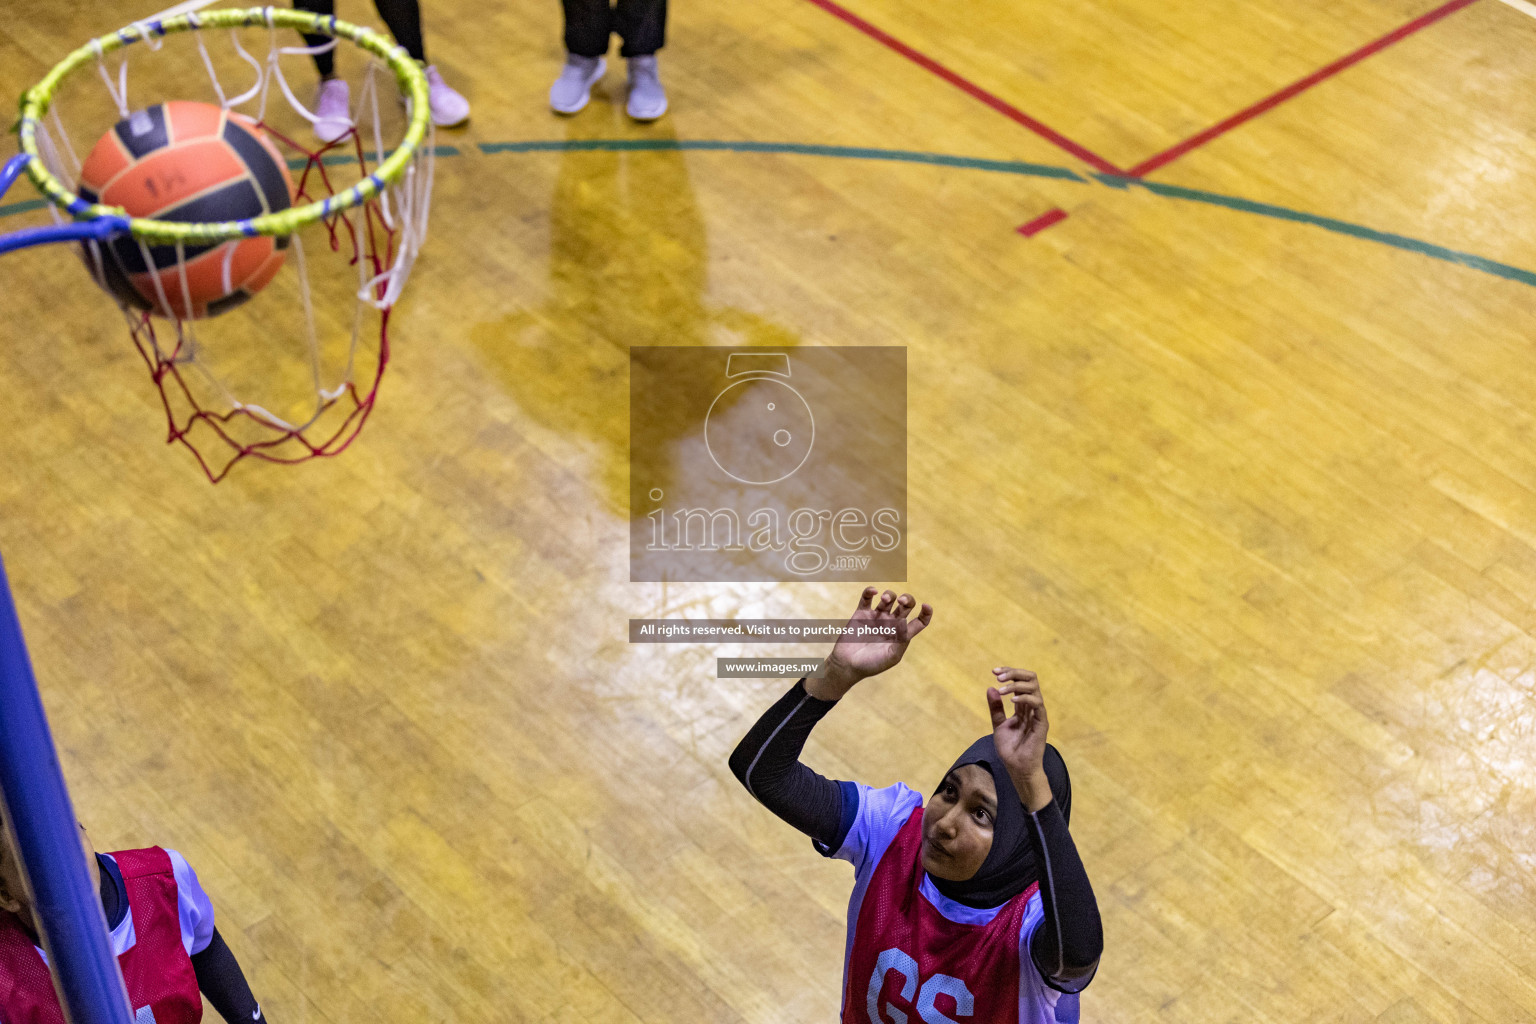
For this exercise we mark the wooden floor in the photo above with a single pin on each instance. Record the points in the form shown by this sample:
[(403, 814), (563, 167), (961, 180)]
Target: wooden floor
[(1256, 496)]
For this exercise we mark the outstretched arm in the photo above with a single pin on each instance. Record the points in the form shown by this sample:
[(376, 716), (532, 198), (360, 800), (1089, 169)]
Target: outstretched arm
[(1067, 944), (221, 980), (767, 760)]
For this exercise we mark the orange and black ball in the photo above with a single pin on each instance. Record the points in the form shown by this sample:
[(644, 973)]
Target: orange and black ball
[(190, 162)]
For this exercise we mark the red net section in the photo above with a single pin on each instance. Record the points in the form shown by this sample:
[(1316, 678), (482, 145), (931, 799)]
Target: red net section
[(204, 414)]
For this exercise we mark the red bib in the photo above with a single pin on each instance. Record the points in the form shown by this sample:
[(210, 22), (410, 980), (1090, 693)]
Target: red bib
[(162, 987), (911, 965)]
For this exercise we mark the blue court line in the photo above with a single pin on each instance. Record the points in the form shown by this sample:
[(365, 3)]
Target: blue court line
[(1016, 167)]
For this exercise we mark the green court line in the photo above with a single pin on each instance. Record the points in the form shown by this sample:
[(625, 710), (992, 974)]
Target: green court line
[(298, 163), (799, 148), (1016, 167), (1438, 252), (1359, 231), (23, 207)]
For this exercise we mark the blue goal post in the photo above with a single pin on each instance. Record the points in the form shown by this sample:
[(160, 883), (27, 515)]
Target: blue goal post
[(43, 826)]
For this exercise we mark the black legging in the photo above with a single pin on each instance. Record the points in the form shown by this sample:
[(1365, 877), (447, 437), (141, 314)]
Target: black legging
[(402, 16), (589, 24)]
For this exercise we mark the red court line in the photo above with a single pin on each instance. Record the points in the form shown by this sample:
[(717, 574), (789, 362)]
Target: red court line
[(1194, 142), (1167, 156), (1003, 107), (1042, 222)]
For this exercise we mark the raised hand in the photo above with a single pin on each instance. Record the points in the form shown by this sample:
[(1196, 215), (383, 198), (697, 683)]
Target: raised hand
[(1020, 737), (856, 658)]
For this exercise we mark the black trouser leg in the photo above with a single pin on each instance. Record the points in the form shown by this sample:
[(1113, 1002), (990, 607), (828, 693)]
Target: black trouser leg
[(642, 24), (588, 24), (404, 20), (325, 62), (402, 16)]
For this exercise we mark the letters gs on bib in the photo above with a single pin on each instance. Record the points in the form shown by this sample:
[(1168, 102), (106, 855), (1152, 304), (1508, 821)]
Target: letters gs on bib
[(923, 998)]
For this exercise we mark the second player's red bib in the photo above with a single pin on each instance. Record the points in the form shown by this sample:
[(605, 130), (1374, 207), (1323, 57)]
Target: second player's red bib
[(910, 964), (155, 968)]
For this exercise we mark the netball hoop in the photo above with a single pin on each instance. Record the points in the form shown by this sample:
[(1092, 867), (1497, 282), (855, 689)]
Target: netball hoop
[(294, 373)]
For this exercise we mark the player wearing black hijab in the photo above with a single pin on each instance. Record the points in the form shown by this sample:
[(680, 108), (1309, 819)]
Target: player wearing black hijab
[(973, 907)]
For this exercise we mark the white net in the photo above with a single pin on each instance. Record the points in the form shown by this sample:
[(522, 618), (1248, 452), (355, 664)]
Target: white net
[(293, 372)]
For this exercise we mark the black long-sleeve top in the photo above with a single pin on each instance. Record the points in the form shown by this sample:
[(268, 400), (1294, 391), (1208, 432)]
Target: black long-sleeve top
[(1067, 945)]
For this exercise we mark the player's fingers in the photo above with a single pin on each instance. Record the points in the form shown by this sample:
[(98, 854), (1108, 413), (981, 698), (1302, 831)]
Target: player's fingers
[(904, 605), (1024, 707), (885, 601), (1033, 713), (917, 625), (867, 596), (995, 706), (1024, 716)]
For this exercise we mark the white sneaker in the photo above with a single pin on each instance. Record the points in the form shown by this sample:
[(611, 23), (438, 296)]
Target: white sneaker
[(449, 108), (574, 86), (647, 99), (332, 106)]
